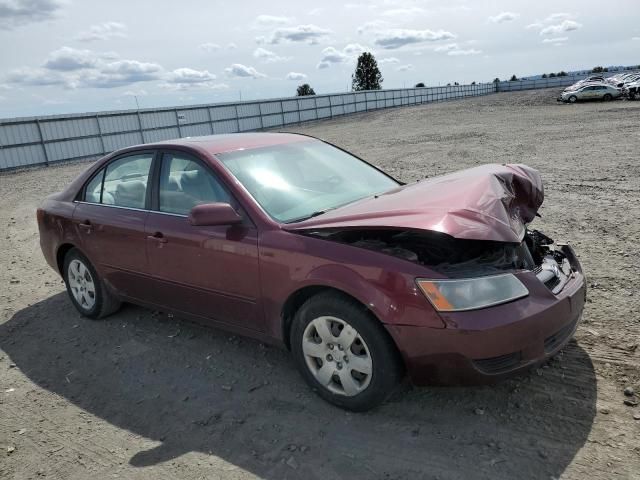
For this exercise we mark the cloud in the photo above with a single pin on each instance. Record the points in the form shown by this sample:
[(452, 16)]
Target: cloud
[(239, 70), (103, 31), (555, 17), (555, 24), (68, 59), (268, 56), (34, 77), (454, 49), (315, 11), (397, 38), (73, 68), (231, 46), (404, 68), (504, 17), (565, 26), (374, 25), (271, 20), (635, 39), (188, 78), (555, 40), (382, 61), (331, 55), (209, 47), (296, 76), (310, 34), (118, 73), (16, 13)]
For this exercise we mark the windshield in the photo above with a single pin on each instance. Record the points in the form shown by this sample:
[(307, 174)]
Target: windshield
[(295, 181)]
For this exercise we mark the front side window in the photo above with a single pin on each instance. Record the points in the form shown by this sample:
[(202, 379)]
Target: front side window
[(185, 183), (298, 180), (122, 183)]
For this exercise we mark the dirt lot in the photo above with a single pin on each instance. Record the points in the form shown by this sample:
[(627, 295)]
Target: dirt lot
[(144, 396)]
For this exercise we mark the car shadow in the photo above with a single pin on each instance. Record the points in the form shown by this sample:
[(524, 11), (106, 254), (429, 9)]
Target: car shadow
[(193, 388)]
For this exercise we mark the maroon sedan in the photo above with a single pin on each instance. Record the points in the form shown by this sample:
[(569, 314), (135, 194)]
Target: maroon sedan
[(294, 241)]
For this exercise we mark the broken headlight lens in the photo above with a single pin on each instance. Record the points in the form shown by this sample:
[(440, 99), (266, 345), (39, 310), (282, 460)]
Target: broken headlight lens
[(472, 293)]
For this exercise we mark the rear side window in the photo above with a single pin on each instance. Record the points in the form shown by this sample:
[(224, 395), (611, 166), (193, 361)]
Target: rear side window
[(122, 183), (185, 183)]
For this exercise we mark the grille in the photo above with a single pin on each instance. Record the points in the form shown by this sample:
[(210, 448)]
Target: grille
[(552, 283), (495, 365), (558, 338)]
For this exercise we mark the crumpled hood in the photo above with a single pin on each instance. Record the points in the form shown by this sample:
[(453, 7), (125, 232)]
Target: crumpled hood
[(489, 202)]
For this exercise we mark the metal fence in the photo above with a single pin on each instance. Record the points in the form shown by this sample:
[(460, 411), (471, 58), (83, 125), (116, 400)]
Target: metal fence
[(45, 140), (563, 81)]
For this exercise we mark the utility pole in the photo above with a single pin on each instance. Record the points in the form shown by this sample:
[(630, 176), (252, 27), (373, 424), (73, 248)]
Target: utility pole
[(137, 105)]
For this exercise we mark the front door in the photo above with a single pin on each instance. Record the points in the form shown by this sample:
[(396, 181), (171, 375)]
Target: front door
[(110, 221), (209, 271)]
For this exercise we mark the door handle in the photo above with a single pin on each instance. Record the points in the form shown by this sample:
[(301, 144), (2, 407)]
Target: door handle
[(85, 226), (157, 237)]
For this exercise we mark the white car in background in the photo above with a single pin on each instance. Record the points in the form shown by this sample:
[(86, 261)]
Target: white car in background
[(593, 91)]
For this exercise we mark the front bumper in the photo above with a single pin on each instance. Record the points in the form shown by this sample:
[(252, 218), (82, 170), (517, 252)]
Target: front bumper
[(486, 345)]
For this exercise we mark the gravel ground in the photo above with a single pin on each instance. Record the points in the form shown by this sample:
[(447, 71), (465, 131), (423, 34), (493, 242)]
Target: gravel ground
[(145, 396)]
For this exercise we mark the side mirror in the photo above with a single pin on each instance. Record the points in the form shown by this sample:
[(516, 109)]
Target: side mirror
[(211, 214)]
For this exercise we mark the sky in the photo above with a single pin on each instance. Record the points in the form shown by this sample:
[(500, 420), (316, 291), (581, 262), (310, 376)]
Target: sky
[(66, 56)]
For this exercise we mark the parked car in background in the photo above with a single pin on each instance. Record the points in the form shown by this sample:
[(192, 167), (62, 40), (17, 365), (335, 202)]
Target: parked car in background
[(632, 89), (296, 242), (590, 91)]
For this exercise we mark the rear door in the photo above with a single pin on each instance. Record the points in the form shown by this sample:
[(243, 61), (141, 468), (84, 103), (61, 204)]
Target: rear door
[(208, 271), (110, 221)]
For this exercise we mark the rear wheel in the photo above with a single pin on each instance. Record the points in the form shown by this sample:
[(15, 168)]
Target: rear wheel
[(573, 99), (86, 290), (607, 97), (343, 353)]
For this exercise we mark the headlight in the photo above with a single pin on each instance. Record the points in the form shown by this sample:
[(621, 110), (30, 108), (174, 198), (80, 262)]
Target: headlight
[(472, 293)]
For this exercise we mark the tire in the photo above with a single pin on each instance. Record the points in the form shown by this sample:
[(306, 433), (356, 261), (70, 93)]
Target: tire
[(86, 290), (573, 99), (356, 373), (607, 97)]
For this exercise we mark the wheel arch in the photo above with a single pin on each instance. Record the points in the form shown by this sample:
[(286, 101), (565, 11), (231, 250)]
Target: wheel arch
[(61, 253), (300, 296)]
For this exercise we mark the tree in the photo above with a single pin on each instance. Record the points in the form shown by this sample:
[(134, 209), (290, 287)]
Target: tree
[(420, 85), (367, 75), (605, 69), (544, 75), (473, 83), (304, 90), (597, 70), (513, 78), (552, 75), (562, 73), (496, 80)]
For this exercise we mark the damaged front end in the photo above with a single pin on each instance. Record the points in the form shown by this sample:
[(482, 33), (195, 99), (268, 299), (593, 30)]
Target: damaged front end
[(465, 225), (456, 258)]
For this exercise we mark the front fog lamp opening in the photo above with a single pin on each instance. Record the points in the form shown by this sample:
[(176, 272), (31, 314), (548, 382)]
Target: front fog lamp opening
[(472, 293)]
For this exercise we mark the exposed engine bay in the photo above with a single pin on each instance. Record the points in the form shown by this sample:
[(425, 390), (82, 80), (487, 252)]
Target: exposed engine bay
[(460, 258)]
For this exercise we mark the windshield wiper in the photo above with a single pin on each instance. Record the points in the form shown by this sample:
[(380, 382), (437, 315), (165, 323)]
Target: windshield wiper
[(311, 215)]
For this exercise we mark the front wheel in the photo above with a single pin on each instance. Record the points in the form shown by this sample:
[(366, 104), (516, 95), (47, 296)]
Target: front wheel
[(573, 99), (87, 291), (344, 353), (607, 97)]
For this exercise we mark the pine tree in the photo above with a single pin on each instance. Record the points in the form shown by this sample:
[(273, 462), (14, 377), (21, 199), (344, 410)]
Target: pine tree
[(304, 90), (367, 75)]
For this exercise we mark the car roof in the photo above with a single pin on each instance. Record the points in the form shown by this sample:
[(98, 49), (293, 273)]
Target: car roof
[(222, 143)]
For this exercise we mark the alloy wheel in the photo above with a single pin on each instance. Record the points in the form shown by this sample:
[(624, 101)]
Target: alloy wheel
[(81, 283), (337, 356)]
